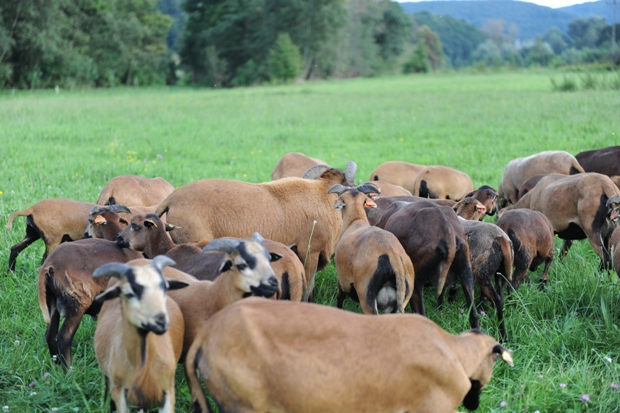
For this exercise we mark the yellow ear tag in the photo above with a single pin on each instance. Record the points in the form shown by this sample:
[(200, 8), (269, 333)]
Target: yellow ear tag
[(154, 224)]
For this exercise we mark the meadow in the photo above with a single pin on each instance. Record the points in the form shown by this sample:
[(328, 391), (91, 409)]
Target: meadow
[(565, 338)]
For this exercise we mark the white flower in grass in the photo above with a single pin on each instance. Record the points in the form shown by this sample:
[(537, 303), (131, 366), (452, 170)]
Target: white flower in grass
[(34, 393), (5, 408), (54, 409), (17, 342)]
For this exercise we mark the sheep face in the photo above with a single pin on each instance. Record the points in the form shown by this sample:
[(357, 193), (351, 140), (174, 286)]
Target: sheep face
[(135, 235), (470, 209), (251, 261), (613, 208)]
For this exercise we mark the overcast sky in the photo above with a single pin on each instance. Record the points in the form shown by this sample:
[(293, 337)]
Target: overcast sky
[(549, 3)]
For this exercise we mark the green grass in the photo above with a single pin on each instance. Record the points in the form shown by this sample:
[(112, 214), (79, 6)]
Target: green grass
[(70, 144)]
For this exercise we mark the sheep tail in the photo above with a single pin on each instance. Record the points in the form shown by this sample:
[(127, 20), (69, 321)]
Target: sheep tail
[(508, 254), (14, 215), (42, 283)]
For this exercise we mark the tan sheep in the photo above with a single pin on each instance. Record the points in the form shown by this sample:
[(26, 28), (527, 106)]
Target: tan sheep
[(398, 173), (275, 356), (441, 182), (135, 190), (294, 164)]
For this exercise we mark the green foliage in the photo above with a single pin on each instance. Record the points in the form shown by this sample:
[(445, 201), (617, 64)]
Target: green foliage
[(539, 53), (419, 62), (568, 84), (392, 32), (284, 60)]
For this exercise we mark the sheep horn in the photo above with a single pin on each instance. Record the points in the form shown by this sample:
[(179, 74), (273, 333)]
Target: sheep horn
[(119, 208), (337, 189), (349, 173), (369, 189), (113, 269), (258, 237), (97, 209), (614, 199), (222, 244), (314, 171), (161, 261)]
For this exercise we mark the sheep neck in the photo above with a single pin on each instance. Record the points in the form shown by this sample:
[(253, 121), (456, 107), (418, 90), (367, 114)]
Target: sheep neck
[(353, 219), (160, 243)]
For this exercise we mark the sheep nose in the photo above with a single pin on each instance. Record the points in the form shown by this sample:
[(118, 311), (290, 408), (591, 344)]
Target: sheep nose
[(160, 320), (273, 281)]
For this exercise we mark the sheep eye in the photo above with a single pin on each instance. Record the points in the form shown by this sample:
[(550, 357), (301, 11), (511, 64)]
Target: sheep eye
[(129, 295), (242, 267), (135, 227)]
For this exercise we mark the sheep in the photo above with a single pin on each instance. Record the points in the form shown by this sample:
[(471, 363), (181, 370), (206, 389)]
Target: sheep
[(294, 164), (529, 184), (384, 204), (139, 337), (388, 189), (439, 181), (148, 235), (487, 197), (469, 209), (605, 161), (373, 268), (398, 173), (105, 222), (579, 206), (52, 220), (66, 289), (294, 211), (531, 234), (491, 254), (267, 356), (521, 169), (135, 190), (435, 241)]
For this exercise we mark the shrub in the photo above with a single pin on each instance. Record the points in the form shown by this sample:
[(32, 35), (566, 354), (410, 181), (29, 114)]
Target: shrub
[(284, 59), (418, 62), (568, 84)]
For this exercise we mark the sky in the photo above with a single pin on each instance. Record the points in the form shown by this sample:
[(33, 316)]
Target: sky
[(549, 3)]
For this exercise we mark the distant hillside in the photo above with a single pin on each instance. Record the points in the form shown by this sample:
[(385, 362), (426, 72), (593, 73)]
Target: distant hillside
[(531, 19), (595, 8)]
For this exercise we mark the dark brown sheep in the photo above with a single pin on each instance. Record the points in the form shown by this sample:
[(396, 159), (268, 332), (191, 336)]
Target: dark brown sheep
[(376, 215), (531, 234), (605, 161), (469, 209), (529, 184), (294, 164), (487, 197), (135, 190)]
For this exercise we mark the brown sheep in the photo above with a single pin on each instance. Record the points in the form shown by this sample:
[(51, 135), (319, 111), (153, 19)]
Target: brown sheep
[(52, 220), (67, 289), (294, 164), (398, 173), (487, 197), (441, 182), (273, 356), (373, 268), (605, 161), (531, 234), (578, 206), (135, 190), (296, 212), (139, 337), (105, 222), (469, 209), (147, 234), (375, 215), (530, 183), (388, 189), (521, 169)]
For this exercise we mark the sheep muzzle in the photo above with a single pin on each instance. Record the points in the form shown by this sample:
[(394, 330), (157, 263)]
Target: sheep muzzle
[(266, 290)]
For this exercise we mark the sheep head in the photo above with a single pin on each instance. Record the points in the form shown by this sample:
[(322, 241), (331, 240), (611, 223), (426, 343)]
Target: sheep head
[(96, 219), (142, 291), (613, 207), (249, 260), (370, 190)]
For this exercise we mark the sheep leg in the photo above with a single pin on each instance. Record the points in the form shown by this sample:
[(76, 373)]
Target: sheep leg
[(51, 332), (417, 299), (341, 296), (107, 394), (544, 277), (30, 237), (566, 244), (522, 262), (497, 298), (167, 405), (65, 338)]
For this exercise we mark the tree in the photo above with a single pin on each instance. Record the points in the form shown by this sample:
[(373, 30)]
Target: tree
[(432, 44), (539, 53), (419, 60), (285, 59), (586, 32), (557, 40)]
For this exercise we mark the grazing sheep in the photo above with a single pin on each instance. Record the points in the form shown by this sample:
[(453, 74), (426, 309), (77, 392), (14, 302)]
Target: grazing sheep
[(384, 204), (139, 337), (373, 268), (388, 189), (492, 257), (531, 183), (531, 234), (578, 206), (487, 197), (521, 169), (135, 190), (67, 289), (105, 222), (274, 356), (605, 161), (469, 209), (296, 212), (398, 173), (441, 182), (148, 235), (435, 241), (294, 164), (52, 220)]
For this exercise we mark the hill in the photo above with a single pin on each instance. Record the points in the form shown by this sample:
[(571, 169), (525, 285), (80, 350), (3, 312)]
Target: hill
[(595, 8), (531, 19)]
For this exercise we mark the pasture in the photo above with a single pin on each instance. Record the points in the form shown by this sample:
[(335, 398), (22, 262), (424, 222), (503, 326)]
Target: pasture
[(565, 339)]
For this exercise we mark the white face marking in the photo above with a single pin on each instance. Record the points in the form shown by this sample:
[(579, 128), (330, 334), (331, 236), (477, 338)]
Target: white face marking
[(146, 304), (259, 258)]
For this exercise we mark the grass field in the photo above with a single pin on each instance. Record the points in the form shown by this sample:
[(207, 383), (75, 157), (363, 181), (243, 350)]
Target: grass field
[(565, 339)]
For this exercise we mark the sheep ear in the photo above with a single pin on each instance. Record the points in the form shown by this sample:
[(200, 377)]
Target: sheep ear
[(349, 173), (99, 220), (123, 221), (504, 353), (274, 257), (170, 227), (109, 294), (369, 203), (226, 265), (113, 269), (111, 201), (149, 223), (222, 244), (175, 285), (469, 194), (162, 261)]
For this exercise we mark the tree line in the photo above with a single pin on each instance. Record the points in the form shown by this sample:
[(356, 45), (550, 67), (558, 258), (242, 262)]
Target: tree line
[(215, 43)]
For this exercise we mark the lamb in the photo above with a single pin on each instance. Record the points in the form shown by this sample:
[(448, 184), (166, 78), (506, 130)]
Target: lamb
[(469, 209), (435, 241), (139, 337), (605, 161), (487, 197), (373, 268), (399, 173), (147, 234), (294, 164), (531, 234), (578, 206), (521, 169), (441, 182), (296, 212), (52, 220), (66, 289), (135, 190), (492, 257), (312, 363)]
